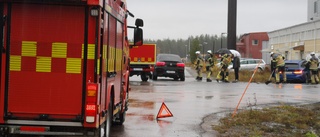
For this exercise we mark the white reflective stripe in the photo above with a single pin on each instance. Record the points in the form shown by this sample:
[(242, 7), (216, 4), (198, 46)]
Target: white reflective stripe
[(47, 123)]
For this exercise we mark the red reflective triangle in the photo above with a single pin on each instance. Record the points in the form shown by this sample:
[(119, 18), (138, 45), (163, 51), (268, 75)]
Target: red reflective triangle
[(164, 111)]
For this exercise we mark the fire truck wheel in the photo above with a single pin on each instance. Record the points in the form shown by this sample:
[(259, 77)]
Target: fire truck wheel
[(154, 76), (144, 77), (121, 119), (108, 122)]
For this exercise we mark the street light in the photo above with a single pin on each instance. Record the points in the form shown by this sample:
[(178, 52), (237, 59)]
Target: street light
[(186, 52), (202, 48), (204, 43), (221, 38)]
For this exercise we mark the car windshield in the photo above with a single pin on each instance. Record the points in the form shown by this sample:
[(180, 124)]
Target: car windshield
[(292, 65), (169, 57)]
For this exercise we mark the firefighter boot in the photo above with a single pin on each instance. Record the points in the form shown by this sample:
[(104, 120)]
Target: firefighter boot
[(209, 80), (218, 76), (197, 78), (226, 79)]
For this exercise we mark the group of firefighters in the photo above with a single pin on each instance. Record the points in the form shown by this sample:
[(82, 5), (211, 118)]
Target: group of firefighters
[(277, 67), (209, 62)]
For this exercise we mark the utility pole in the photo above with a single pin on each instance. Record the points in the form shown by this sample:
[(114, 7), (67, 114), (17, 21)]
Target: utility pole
[(232, 24)]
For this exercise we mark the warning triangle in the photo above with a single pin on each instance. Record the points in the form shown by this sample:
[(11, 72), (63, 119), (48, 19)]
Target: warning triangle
[(164, 111)]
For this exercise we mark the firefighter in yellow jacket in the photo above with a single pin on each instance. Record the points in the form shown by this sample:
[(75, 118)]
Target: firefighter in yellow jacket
[(280, 67), (314, 63), (209, 65), (224, 71), (198, 64)]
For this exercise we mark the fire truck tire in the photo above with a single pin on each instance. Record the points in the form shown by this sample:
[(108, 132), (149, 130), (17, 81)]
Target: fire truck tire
[(121, 119), (108, 121), (154, 76), (144, 77)]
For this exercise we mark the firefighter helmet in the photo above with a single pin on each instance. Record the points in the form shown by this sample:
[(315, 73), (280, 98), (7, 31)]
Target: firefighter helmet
[(312, 53), (271, 53)]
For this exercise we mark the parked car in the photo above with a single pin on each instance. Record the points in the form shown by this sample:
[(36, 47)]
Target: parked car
[(295, 71), (250, 64), (169, 65)]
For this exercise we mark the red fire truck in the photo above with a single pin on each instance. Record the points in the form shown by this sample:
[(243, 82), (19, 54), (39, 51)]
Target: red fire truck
[(142, 60), (64, 66)]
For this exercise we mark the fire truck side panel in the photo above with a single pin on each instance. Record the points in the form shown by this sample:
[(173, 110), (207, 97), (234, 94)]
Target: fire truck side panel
[(46, 61)]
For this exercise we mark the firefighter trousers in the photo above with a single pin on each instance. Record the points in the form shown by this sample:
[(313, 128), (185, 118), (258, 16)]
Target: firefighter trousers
[(199, 72), (314, 77), (280, 70), (223, 73), (209, 71)]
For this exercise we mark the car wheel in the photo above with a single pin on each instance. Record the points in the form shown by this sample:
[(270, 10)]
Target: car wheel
[(182, 78), (260, 69)]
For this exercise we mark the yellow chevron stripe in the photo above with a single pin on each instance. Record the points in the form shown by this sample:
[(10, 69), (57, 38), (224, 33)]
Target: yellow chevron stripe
[(73, 65), (29, 48), (59, 50), (91, 51), (15, 63), (43, 64)]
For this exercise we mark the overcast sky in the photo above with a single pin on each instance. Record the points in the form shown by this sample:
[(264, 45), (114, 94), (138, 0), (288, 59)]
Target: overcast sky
[(176, 19)]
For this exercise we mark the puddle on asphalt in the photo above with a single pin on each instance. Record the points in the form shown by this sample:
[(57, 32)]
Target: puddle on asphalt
[(297, 86), (205, 97), (141, 104)]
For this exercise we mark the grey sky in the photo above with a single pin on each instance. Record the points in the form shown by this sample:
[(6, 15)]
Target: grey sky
[(181, 18)]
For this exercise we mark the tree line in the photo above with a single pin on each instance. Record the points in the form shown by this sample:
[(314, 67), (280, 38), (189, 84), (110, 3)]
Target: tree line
[(186, 48)]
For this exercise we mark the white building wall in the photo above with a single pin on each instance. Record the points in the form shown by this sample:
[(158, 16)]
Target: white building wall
[(284, 40)]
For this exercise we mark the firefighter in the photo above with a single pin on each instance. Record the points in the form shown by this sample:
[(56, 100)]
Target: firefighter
[(273, 65), (280, 67), (199, 63), (308, 72), (224, 71), (209, 65), (314, 63)]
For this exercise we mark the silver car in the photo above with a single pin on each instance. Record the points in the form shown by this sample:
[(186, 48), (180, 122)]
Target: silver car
[(250, 64)]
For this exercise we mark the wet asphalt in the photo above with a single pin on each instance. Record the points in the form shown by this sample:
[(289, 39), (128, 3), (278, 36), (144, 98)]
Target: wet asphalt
[(195, 105)]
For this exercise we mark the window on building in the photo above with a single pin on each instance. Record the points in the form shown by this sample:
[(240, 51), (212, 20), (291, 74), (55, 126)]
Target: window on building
[(255, 42), (315, 10)]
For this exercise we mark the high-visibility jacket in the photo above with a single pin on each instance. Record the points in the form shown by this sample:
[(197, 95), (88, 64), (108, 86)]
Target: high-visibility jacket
[(280, 61), (209, 61), (314, 63), (226, 59), (199, 61)]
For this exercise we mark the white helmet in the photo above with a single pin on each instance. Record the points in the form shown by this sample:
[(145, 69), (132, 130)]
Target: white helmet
[(271, 53), (197, 52), (312, 53), (209, 51)]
